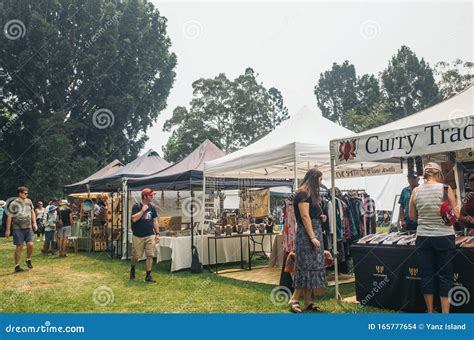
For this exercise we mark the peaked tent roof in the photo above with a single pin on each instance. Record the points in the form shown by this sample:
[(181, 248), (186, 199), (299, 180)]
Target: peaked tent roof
[(303, 138), (188, 172), (458, 107), (205, 152), (107, 170), (148, 163), (455, 112)]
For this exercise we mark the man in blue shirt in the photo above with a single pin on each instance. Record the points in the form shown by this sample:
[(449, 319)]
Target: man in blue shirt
[(404, 201)]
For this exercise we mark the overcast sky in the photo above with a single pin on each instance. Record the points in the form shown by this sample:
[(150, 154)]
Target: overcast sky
[(289, 44)]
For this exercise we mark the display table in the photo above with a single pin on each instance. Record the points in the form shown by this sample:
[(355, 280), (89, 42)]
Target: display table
[(276, 258), (397, 266), (249, 244), (178, 250)]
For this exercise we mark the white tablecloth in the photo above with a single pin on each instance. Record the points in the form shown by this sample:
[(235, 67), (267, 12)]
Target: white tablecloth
[(178, 249)]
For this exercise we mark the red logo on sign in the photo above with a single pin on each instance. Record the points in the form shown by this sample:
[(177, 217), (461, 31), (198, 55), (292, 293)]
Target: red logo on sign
[(347, 150)]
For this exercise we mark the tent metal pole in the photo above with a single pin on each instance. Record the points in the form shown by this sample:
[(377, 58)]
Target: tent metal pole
[(334, 227), (125, 222), (295, 173), (192, 218), (203, 212)]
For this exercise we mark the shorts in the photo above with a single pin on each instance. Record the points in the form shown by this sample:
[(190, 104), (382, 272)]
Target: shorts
[(436, 261), (64, 231), (22, 235), (143, 244)]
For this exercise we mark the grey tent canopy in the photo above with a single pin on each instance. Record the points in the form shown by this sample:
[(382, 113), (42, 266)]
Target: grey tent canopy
[(148, 163), (106, 171), (188, 173)]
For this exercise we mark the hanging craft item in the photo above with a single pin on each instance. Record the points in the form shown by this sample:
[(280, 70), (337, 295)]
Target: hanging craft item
[(87, 206), (252, 228), (178, 200)]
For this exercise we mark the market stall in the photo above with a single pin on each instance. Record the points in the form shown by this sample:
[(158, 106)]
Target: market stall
[(186, 179), (299, 144), (96, 227), (442, 133), (108, 231)]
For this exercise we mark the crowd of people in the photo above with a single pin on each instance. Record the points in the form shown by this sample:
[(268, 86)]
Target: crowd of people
[(22, 221), (422, 210), (430, 209)]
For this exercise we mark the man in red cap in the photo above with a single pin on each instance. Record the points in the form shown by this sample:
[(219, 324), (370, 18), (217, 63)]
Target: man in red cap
[(145, 233)]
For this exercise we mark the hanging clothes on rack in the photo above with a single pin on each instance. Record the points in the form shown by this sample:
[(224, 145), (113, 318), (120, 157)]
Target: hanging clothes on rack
[(370, 220), (289, 225)]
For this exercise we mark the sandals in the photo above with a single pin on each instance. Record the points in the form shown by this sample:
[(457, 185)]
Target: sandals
[(313, 308), (295, 307)]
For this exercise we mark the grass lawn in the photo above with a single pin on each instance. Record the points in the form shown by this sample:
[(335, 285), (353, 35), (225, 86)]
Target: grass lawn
[(93, 283)]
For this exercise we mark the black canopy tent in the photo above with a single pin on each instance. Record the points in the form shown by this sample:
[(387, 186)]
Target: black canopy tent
[(83, 186), (188, 174), (148, 163)]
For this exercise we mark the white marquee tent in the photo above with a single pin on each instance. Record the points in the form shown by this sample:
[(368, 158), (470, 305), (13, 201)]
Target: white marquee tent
[(298, 144), (431, 133)]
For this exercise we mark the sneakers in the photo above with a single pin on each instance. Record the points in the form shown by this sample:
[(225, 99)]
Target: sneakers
[(29, 264), (149, 279), (132, 273), (18, 269)]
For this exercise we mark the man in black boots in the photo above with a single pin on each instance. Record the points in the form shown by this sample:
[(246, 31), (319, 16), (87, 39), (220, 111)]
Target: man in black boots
[(145, 233)]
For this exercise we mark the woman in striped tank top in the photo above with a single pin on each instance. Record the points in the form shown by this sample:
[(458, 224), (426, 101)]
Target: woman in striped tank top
[(435, 247)]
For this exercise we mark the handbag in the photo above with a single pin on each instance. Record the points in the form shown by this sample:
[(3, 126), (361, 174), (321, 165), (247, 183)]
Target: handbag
[(445, 210), (290, 265), (328, 259), (196, 266)]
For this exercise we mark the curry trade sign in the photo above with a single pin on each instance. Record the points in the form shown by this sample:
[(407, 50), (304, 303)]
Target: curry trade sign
[(415, 141)]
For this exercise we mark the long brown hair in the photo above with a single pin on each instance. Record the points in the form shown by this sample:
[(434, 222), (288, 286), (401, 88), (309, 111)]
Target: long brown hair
[(311, 184)]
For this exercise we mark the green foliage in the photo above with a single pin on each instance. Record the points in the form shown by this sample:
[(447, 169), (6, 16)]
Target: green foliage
[(77, 57), (336, 91), (231, 113), (409, 84), (406, 86), (351, 101), (454, 77)]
